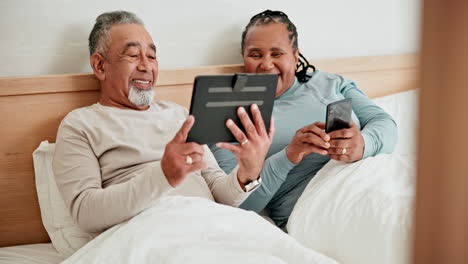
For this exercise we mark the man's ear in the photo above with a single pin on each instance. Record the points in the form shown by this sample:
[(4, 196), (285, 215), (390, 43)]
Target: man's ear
[(97, 63)]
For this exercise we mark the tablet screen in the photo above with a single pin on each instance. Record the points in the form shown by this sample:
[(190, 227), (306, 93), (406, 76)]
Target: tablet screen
[(215, 99)]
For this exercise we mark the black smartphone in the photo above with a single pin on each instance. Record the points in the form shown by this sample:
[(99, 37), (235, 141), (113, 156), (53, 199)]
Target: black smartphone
[(338, 115)]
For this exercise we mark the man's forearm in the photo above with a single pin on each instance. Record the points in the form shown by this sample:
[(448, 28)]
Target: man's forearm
[(97, 209)]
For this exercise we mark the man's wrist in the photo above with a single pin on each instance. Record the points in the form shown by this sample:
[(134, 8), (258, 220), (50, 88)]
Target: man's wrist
[(241, 184), (250, 185), (244, 179), (243, 176)]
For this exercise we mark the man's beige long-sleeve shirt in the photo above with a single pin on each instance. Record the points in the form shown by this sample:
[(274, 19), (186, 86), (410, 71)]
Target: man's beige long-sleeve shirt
[(107, 164)]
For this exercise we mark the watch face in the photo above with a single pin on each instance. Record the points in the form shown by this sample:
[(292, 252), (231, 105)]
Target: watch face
[(252, 185)]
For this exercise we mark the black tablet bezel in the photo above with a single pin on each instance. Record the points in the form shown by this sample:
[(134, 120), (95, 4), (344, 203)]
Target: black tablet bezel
[(210, 121)]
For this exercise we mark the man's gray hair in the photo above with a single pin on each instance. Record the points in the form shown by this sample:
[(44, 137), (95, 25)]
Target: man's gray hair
[(100, 34)]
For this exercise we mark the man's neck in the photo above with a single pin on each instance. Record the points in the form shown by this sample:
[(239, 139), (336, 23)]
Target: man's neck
[(127, 105)]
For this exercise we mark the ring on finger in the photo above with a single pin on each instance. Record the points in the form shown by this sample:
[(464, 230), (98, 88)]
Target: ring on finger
[(188, 160), (244, 142), (343, 151)]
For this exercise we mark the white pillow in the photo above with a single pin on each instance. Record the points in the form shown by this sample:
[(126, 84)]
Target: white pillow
[(361, 212), (66, 236), (358, 213), (403, 107)]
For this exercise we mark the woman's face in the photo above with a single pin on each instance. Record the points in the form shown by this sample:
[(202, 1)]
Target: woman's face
[(267, 49)]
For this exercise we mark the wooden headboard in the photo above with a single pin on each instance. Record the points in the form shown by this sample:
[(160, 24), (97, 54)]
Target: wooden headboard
[(32, 107)]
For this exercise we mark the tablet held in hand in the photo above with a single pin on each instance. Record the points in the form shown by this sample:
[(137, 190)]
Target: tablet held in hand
[(215, 99)]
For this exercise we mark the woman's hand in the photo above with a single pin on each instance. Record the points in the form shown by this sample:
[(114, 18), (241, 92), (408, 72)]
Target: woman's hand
[(308, 139), (254, 144), (346, 144)]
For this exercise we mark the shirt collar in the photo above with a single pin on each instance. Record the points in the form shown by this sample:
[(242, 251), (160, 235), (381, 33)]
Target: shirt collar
[(291, 89)]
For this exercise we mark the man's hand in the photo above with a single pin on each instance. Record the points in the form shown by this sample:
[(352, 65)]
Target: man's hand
[(308, 139), (253, 147), (181, 158), (346, 144)]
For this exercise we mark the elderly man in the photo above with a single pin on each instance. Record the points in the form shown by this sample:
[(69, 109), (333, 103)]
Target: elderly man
[(115, 157)]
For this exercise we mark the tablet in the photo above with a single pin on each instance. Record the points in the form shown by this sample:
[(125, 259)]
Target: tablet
[(215, 99)]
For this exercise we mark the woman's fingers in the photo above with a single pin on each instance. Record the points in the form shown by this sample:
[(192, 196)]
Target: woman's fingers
[(317, 129), (309, 148), (314, 139), (320, 125), (347, 144), (343, 133), (340, 151)]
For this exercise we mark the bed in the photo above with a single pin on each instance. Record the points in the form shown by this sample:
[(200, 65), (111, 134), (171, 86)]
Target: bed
[(32, 108), (362, 212)]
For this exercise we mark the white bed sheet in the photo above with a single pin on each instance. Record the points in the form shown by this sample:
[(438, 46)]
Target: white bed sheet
[(30, 254), (194, 230)]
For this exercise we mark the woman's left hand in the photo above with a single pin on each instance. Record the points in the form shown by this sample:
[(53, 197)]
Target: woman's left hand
[(346, 144)]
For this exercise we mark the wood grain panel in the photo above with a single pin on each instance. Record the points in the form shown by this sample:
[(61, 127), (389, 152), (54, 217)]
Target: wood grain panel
[(441, 222), (86, 82)]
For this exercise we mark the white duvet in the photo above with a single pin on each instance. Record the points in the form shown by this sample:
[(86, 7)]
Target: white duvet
[(195, 230), (359, 213)]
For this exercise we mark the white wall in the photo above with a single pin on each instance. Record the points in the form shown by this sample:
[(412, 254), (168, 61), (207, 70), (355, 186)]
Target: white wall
[(50, 36)]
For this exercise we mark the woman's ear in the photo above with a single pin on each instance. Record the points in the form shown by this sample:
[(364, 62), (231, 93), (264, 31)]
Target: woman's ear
[(97, 63), (296, 55)]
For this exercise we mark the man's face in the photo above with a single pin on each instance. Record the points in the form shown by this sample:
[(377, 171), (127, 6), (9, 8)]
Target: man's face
[(130, 67)]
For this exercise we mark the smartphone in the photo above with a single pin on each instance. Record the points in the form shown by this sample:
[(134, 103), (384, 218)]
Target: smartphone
[(338, 115)]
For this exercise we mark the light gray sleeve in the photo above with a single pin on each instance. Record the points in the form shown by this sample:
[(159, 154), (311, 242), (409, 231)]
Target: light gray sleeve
[(274, 173), (378, 128), (78, 176), (225, 188)]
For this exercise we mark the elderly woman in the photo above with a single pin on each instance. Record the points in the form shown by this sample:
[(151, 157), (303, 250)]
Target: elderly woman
[(300, 146)]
